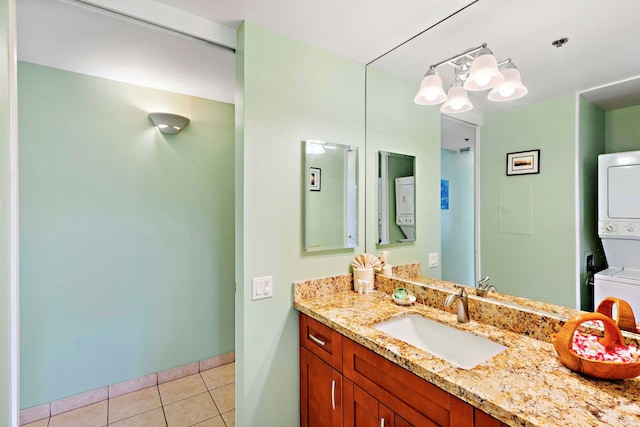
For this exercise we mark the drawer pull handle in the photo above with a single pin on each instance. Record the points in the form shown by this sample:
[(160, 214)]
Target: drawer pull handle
[(333, 394), (316, 340), (381, 422)]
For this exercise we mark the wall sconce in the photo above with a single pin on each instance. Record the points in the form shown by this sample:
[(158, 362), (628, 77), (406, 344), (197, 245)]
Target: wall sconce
[(475, 69), (169, 123)]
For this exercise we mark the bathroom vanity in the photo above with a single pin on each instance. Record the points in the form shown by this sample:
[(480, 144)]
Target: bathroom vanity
[(350, 385), (356, 375)]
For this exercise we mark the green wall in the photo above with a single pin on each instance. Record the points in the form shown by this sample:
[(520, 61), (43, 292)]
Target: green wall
[(458, 222), (623, 129), (592, 143), (288, 92), (540, 263), (126, 235), (8, 403), (396, 124)]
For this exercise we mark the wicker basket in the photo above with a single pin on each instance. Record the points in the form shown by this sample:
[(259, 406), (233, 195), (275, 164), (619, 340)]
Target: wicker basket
[(597, 369)]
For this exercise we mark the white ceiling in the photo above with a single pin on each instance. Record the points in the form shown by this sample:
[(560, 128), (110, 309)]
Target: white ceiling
[(604, 43), (65, 35)]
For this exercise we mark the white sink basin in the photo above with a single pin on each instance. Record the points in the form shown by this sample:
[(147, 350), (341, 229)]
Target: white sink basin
[(460, 348)]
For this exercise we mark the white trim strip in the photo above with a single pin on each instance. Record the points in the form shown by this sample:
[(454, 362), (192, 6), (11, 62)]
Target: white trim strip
[(13, 147), (167, 18)]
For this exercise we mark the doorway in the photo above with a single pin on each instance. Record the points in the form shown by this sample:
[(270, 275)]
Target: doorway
[(457, 201)]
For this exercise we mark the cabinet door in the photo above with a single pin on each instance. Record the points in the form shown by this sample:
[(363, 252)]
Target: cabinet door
[(363, 410), (401, 422), (320, 392)]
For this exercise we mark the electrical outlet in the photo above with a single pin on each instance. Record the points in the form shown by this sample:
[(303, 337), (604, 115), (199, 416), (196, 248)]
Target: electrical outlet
[(588, 262), (262, 287), (434, 260)]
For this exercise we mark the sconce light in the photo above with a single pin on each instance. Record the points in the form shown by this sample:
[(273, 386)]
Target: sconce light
[(169, 123), (475, 69)]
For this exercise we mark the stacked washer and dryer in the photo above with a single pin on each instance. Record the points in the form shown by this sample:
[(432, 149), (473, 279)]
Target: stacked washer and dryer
[(619, 227)]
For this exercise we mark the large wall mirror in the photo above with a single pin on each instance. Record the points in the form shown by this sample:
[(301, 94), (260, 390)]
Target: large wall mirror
[(331, 196), (560, 116), (396, 198)]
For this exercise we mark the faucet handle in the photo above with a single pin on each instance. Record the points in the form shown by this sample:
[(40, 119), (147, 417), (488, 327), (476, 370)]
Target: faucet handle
[(482, 281), (462, 293)]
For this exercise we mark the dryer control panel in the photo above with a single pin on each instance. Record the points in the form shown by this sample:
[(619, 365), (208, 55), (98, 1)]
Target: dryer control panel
[(619, 229)]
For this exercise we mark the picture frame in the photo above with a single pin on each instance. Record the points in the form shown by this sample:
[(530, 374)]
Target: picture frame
[(523, 162), (444, 194), (314, 179)]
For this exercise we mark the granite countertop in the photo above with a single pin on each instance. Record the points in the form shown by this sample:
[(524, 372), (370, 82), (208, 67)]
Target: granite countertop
[(525, 385)]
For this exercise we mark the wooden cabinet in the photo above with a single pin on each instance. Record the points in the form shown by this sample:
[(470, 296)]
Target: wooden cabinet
[(320, 377), (417, 401), (320, 392), (363, 410), (344, 383)]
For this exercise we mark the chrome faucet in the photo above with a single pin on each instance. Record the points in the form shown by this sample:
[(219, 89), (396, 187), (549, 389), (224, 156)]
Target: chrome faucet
[(463, 304), (483, 287)]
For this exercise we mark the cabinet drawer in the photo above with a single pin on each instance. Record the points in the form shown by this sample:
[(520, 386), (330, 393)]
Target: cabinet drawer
[(321, 340)]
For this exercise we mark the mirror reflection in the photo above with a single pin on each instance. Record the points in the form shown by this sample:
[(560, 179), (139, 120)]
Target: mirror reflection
[(331, 196), (396, 198), (535, 235)]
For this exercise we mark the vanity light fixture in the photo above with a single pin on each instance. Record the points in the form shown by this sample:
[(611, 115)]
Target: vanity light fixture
[(511, 88), (457, 99), (475, 69), (169, 123)]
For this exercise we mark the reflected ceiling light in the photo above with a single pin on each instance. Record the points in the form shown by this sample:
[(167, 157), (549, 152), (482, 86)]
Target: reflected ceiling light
[(315, 146), (475, 69), (511, 88), (457, 100), (169, 123)]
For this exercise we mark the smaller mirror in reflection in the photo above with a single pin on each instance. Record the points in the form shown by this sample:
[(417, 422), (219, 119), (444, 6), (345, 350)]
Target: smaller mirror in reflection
[(331, 196), (396, 198)]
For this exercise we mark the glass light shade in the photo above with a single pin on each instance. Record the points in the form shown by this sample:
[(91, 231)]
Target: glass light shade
[(457, 100), (511, 88), (169, 123), (484, 73), (431, 92)]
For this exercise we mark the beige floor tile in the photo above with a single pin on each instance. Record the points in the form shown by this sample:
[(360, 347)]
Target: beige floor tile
[(153, 418), (190, 411), (41, 423), (212, 422), (222, 375), (230, 418), (88, 416), (182, 388), (225, 397), (128, 405)]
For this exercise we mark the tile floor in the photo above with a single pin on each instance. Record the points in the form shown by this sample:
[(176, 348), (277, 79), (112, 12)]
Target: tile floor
[(206, 399)]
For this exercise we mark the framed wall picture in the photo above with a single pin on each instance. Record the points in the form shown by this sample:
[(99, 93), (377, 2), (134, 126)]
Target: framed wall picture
[(523, 162), (314, 179), (444, 194)]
